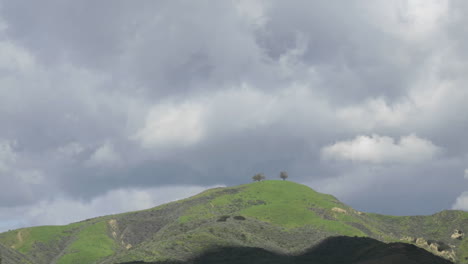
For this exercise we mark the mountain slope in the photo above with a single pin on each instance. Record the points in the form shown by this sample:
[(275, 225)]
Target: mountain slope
[(8, 255), (278, 216), (333, 250)]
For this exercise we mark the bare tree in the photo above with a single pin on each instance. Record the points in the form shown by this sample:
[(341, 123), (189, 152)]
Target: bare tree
[(258, 177), (284, 175)]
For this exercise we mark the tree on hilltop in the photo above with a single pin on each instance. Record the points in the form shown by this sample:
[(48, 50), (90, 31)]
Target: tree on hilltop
[(284, 175), (258, 177)]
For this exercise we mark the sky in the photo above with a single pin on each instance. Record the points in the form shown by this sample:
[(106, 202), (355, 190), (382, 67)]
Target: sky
[(113, 106)]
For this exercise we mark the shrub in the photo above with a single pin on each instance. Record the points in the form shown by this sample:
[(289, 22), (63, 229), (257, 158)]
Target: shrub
[(284, 175), (223, 218), (258, 177)]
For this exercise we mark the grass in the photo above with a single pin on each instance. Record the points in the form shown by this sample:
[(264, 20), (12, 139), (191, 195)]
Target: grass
[(279, 215), (24, 239), (281, 203), (92, 244)]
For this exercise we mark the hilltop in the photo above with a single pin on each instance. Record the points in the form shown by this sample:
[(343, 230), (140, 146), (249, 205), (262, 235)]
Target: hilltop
[(280, 218)]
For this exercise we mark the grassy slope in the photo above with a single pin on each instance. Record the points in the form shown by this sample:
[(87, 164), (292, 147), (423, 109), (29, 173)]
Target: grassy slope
[(91, 244), (284, 204), (83, 242), (281, 216)]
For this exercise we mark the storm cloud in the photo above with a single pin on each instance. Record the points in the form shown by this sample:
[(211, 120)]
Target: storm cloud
[(100, 100)]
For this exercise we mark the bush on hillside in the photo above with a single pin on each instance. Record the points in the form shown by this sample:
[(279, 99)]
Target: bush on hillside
[(284, 175), (223, 218), (258, 177)]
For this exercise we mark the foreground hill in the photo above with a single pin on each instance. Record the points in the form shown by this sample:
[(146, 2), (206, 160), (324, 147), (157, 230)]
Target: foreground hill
[(278, 218), (333, 250)]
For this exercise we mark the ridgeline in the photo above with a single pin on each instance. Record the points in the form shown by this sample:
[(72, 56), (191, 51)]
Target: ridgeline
[(262, 222)]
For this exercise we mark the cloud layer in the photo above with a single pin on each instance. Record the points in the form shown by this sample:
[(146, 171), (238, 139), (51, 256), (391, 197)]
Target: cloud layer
[(101, 97), (381, 149)]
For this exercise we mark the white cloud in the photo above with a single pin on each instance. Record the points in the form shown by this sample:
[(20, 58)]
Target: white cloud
[(228, 112), (104, 155), (172, 124), (7, 155), (375, 112), (186, 123), (253, 10), (382, 149), (61, 211), (431, 101), (423, 16), (14, 58), (461, 203), (413, 20)]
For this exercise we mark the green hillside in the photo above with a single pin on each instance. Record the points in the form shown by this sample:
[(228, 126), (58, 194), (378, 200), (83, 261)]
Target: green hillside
[(278, 216)]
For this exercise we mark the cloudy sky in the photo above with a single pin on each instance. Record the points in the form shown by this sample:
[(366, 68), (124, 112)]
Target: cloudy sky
[(110, 106)]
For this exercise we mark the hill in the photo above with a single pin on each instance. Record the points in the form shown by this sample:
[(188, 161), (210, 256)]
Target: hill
[(278, 217), (333, 250)]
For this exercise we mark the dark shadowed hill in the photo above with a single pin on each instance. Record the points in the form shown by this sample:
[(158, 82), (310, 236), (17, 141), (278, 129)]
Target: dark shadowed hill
[(334, 250)]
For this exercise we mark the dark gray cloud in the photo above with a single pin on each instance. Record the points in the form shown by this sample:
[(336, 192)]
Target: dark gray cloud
[(160, 48), (97, 97), (353, 57), (89, 33)]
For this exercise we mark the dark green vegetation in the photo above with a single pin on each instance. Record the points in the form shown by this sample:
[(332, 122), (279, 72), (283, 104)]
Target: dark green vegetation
[(333, 250), (11, 256), (278, 218)]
